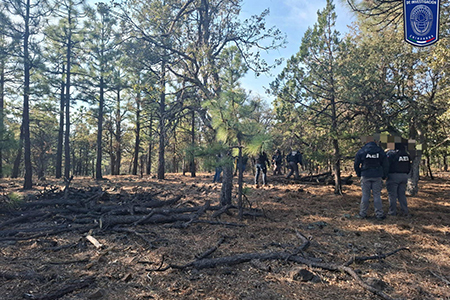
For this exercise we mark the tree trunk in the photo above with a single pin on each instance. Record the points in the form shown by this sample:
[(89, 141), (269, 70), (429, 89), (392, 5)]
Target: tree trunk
[(162, 121), (413, 181), (427, 156), (444, 161), (137, 140), (337, 168), (112, 154), (67, 166), (98, 166), (150, 146), (59, 147), (240, 182), (2, 113), (337, 154), (192, 156), (118, 136), (28, 181), (227, 183)]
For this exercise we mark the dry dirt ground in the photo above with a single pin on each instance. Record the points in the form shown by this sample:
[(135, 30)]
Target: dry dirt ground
[(137, 260)]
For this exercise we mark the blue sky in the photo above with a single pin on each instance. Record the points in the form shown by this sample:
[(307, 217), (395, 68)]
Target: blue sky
[(292, 17)]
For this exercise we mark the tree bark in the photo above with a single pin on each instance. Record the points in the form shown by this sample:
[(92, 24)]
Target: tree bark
[(240, 182), (227, 184), (67, 163), (150, 146), (192, 156), (413, 181), (28, 182), (118, 136), (444, 161), (59, 147), (137, 132), (98, 166), (429, 165), (162, 125), (2, 113)]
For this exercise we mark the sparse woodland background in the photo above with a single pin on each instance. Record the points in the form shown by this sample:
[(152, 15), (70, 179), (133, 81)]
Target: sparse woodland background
[(114, 115), (149, 87)]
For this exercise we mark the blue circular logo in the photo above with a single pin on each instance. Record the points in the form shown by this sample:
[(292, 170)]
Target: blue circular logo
[(421, 20)]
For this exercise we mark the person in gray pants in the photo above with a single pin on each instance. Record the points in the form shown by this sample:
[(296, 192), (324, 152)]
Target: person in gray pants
[(371, 164), (399, 168)]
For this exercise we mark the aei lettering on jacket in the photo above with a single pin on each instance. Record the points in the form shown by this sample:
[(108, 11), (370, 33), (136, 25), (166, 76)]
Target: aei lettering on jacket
[(403, 158)]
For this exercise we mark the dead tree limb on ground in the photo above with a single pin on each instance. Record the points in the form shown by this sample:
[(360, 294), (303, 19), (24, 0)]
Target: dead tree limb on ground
[(442, 278), (361, 259), (211, 250), (205, 263)]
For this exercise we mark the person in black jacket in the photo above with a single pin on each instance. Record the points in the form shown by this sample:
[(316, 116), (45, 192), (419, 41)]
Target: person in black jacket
[(399, 168), (371, 164), (277, 159), (260, 164), (293, 159)]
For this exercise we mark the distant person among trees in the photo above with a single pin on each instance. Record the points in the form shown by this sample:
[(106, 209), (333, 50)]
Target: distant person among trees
[(371, 164), (244, 164), (399, 168), (218, 168), (293, 159), (277, 159), (261, 166)]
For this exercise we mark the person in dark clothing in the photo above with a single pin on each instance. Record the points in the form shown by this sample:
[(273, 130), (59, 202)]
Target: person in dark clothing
[(244, 164), (218, 168), (371, 164), (261, 166), (277, 159), (399, 168), (293, 159)]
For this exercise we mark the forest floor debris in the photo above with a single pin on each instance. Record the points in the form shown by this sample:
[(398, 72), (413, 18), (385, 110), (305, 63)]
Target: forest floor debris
[(128, 237)]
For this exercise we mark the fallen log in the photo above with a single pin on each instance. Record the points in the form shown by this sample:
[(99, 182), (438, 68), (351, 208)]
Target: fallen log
[(318, 177), (24, 217)]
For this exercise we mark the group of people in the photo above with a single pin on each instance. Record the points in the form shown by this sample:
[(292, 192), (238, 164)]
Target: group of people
[(373, 165), (261, 164), (262, 161)]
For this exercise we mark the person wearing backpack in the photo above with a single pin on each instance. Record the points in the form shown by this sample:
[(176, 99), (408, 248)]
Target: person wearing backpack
[(399, 168), (371, 164)]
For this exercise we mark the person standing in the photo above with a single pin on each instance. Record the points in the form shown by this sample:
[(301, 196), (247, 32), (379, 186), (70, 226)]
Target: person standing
[(277, 159), (244, 164), (371, 164), (261, 166), (399, 168), (293, 159), (218, 168)]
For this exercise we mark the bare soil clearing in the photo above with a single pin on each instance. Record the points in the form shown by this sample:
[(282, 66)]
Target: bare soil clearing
[(143, 250)]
